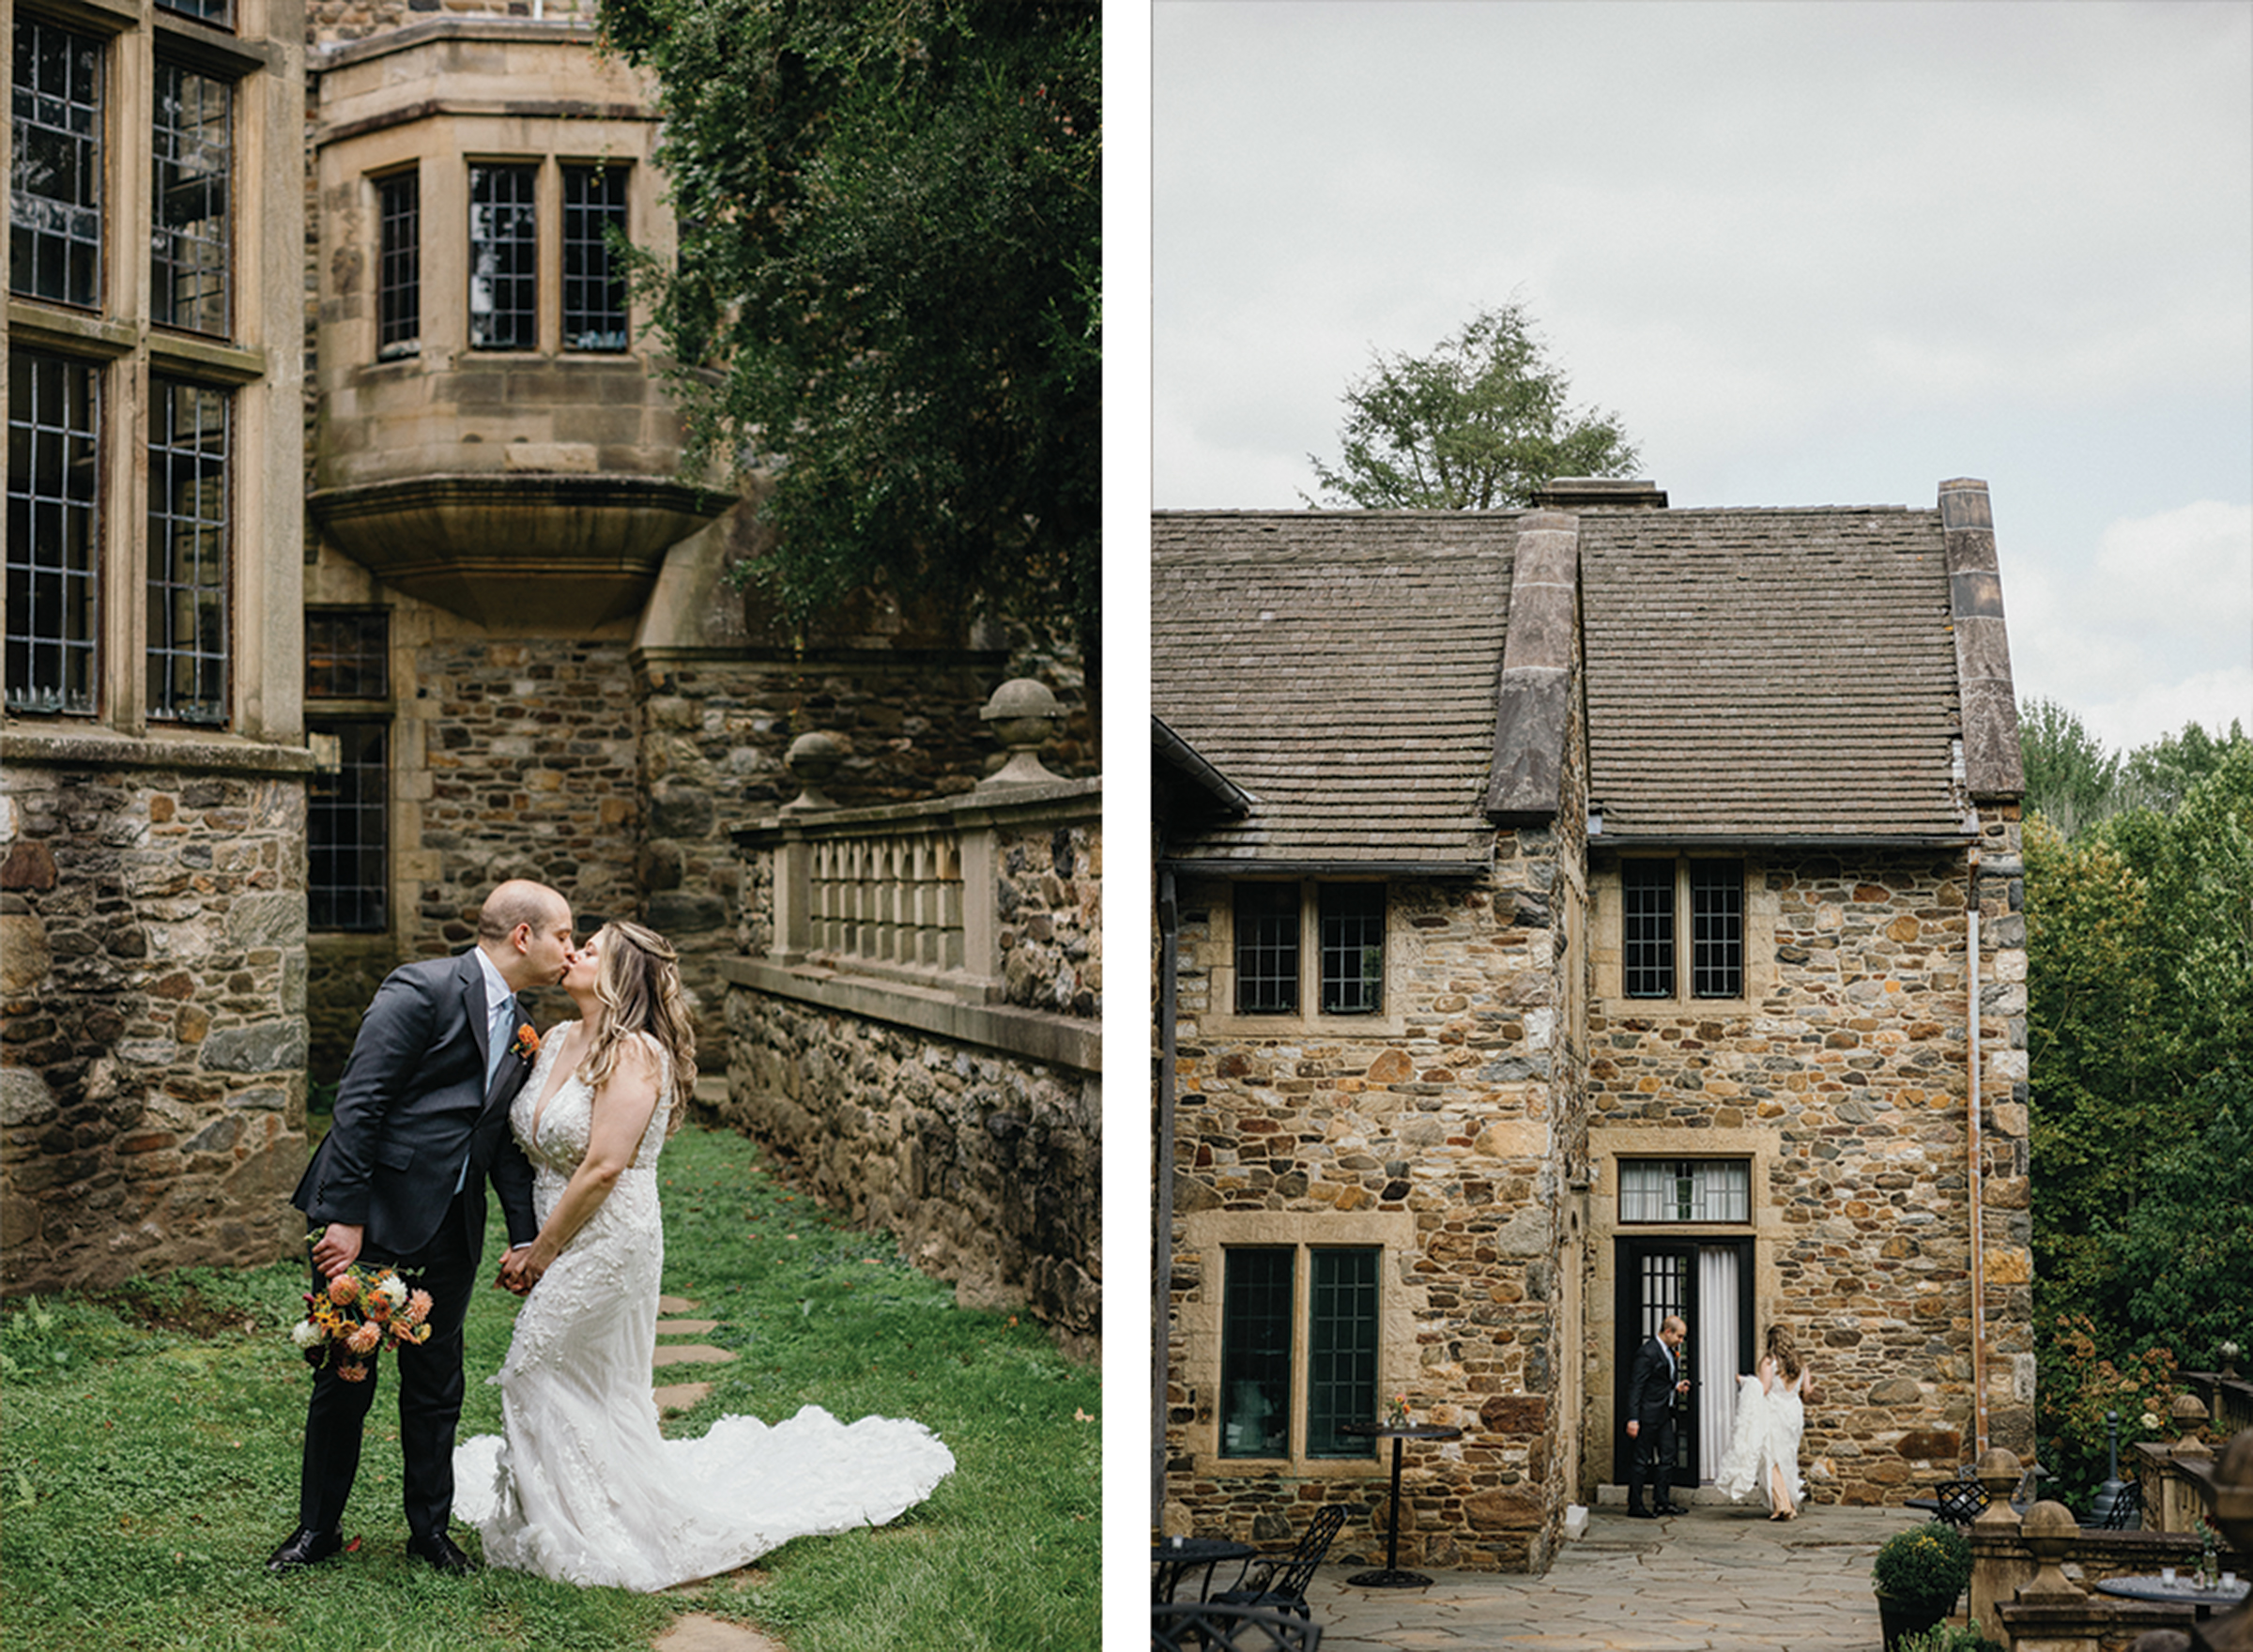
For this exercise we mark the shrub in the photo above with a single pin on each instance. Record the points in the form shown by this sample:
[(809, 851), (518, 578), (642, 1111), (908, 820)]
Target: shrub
[(2078, 1386), (1929, 1563), (1948, 1637)]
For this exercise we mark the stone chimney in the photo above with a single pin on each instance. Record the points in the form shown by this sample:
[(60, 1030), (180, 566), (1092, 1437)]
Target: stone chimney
[(1600, 493)]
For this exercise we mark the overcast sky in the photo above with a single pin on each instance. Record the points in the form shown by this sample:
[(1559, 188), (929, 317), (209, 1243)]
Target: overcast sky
[(1810, 253)]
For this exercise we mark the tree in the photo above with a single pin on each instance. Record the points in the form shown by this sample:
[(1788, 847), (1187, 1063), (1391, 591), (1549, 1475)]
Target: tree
[(2187, 1248), (1480, 424), (2069, 775), (887, 288)]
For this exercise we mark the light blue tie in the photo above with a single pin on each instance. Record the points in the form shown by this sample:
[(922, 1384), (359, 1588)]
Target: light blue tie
[(497, 1043)]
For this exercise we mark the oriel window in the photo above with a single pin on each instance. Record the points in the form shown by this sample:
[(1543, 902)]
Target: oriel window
[(53, 521), (594, 289), (190, 241), (399, 265), (189, 528), (503, 258), (55, 176)]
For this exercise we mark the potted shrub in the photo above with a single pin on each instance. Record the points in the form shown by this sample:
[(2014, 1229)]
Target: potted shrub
[(1918, 1574)]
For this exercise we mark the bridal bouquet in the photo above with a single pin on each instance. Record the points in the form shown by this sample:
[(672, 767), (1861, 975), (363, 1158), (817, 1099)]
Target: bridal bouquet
[(363, 1311)]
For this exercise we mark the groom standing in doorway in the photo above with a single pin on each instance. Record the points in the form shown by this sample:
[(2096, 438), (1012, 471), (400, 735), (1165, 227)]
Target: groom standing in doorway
[(1653, 1386), (422, 1124)]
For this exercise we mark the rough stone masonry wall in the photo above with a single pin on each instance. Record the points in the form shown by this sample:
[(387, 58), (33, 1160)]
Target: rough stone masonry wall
[(152, 961), (1855, 1068), (1451, 1120)]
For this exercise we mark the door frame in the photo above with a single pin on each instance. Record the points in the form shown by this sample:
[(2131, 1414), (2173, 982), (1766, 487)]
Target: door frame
[(1627, 1252)]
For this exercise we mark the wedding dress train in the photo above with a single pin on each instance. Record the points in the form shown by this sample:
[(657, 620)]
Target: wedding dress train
[(1764, 1444), (580, 1486)]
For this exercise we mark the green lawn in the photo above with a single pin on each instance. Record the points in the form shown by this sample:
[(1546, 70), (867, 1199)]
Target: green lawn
[(150, 1440)]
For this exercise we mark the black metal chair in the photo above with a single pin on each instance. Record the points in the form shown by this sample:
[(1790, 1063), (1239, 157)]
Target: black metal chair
[(1191, 1625), (2126, 1513), (1281, 1581)]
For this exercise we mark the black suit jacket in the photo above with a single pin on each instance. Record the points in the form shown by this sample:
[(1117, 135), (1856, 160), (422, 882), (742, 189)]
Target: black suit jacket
[(1651, 1386), (413, 1100)]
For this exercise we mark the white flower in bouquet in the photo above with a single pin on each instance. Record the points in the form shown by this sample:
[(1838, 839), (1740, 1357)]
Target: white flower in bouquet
[(305, 1334), (393, 1290)]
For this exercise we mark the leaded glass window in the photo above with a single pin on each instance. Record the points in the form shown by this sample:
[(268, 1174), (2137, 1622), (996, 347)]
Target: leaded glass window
[(399, 265), (1352, 949), (594, 290), (1342, 1348), (503, 258), (1255, 1353), (346, 824), (1685, 1190), (55, 166), (347, 653), (189, 512), (190, 241), (1646, 944), (1266, 949), (53, 518), (1717, 929)]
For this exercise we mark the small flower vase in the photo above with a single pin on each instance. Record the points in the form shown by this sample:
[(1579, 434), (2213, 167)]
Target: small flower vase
[(1396, 1412)]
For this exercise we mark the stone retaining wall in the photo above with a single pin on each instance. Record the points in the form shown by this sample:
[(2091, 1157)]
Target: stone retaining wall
[(152, 928)]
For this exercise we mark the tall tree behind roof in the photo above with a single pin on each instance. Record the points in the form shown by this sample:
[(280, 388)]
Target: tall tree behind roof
[(888, 292), (1480, 423)]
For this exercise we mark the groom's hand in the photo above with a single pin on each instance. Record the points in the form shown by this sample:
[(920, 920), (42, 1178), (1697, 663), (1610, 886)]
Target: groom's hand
[(338, 1249)]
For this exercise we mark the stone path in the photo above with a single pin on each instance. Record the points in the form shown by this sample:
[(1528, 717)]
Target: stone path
[(1720, 1578), (694, 1631)]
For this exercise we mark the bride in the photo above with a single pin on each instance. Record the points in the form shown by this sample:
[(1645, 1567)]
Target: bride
[(580, 1486), (1764, 1446)]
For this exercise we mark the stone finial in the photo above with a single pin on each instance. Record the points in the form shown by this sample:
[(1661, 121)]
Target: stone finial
[(2049, 1532), (1023, 713), (2188, 1413), (1998, 1472), (812, 759)]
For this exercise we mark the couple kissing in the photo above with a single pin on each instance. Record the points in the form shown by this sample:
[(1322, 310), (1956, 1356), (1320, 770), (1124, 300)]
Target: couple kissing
[(449, 1089)]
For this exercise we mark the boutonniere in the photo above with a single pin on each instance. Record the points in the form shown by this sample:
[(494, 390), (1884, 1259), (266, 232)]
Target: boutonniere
[(526, 1044)]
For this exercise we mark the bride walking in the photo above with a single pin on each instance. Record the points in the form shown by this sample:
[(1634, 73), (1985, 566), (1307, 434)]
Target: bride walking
[(580, 1486), (1764, 1445)]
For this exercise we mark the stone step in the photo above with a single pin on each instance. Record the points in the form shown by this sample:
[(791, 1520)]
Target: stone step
[(696, 1632), (674, 1305), (680, 1395), (691, 1353), (685, 1327)]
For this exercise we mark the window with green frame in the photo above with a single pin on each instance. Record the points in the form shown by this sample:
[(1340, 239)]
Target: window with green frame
[(1259, 1320)]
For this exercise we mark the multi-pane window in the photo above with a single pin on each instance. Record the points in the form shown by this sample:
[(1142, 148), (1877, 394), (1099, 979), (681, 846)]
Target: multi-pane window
[(345, 831), (189, 511), (594, 289), (54, 513), (1266, 949), (218, 13), (399, 265), (1263, 1325), (503, 258), (1352, 949), (1650, 933), (190, 234), (347, 653), (1685, 1190), (1348, 920), (55, 173)]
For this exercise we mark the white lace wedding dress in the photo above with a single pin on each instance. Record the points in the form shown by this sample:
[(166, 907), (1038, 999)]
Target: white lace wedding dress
[(580, 1486), (1765, 1437)]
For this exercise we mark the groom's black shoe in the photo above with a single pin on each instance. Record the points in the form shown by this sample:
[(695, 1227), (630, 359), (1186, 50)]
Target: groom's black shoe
[(304, 1548), (1640, 1514), (441, 1552)]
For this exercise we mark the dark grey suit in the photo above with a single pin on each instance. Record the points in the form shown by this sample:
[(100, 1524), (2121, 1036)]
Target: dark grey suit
[(413, 1109), (1650, 1407)]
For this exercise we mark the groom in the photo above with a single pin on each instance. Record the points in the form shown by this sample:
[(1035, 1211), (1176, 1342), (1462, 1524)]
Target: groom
[(1652, 1384), (421, 1121)]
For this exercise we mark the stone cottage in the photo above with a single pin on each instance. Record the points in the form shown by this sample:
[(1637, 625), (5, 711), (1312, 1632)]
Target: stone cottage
[(1574, 916), (350, 571)]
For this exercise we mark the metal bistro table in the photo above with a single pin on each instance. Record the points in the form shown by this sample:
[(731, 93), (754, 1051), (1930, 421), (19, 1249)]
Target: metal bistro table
[(2180, 1592), (1392, 1577), (1176, 1557)]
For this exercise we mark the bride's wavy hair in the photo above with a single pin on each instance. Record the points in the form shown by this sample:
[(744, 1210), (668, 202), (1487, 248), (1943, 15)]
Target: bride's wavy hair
[(638, 983), (1784, 1350)]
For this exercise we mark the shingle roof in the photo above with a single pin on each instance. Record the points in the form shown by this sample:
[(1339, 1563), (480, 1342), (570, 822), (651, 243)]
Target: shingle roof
[(1756, 674), (1340, 668), (1769, 673)]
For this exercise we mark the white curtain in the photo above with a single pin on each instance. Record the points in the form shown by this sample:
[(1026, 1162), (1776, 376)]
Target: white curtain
[(1717, 1356)]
